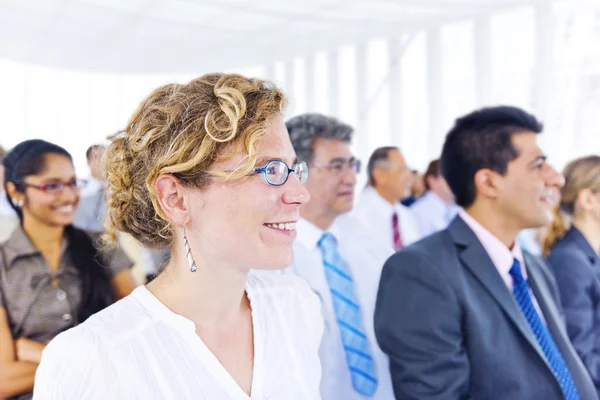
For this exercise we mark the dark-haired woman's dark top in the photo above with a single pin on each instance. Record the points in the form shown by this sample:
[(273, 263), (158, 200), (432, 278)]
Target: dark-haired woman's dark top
[(36, 307), (576, 267)]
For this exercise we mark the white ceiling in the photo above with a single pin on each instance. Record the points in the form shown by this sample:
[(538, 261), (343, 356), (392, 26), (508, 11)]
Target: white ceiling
[(155, 36)]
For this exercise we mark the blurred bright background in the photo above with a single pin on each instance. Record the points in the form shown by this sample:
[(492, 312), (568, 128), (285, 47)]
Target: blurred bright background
[(73, 71)]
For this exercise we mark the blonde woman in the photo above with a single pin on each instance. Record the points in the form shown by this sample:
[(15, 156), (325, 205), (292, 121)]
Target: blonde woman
[(572, 245), (208, 169)]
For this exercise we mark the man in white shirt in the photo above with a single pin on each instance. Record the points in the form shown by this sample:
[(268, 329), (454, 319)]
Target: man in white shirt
[(436, 208), (92, 208), (379, 209), (5, 207), (8, 216), (340, 261)]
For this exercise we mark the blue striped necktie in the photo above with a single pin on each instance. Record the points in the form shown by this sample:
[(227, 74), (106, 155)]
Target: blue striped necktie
[(347, 311), (543, 336)]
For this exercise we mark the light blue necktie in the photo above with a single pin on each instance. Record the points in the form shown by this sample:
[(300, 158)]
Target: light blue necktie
[(347, 311), (543, 336)]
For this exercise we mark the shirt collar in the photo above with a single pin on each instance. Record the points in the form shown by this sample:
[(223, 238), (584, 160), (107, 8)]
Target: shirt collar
[(372, 197), (501, 256), (309, 234), (19, 245)]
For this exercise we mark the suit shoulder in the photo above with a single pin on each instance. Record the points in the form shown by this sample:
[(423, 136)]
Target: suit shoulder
[(433, 250)]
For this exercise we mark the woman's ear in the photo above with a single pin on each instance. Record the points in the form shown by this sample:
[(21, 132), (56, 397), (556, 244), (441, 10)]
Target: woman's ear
[(173, 199), (13, 193), (585, 200)]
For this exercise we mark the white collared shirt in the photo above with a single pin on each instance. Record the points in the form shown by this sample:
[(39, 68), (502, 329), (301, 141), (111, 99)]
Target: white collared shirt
[(365, 259), (5, 207), (375, 214), (432, 214)]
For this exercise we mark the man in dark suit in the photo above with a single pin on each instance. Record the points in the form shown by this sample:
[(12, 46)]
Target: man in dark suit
[(465, 313)]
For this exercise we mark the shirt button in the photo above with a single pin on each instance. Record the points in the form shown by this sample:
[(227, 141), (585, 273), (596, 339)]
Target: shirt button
[(67, 317), (61, 295)]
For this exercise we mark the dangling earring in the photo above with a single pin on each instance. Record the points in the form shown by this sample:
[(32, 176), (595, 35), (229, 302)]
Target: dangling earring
[(188, 252), (17, 203)]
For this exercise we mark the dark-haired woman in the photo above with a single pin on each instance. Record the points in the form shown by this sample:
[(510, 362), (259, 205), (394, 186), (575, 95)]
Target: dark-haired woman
[(52, 276)]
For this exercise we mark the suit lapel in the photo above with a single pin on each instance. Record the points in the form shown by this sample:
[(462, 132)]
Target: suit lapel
[(544, 298), (478, 262), (554, 322)]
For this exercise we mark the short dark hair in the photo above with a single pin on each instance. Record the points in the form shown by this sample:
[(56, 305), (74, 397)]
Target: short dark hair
[(378, 157), (482, 139), (88, 152), (433, 169), (305, 128)]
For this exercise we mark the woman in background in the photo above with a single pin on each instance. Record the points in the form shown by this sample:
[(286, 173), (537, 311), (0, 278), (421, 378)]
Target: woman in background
[(572, 246), (52, 275)]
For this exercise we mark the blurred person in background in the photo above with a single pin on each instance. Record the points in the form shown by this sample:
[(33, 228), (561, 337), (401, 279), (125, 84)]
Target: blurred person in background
[(417, 189), (8, 217), (379, 209), (572, 245), (466, 313), (5, 208), (437, 207), (207, 169), (53, 276), (340, 260), (91, 213), (95, 161)]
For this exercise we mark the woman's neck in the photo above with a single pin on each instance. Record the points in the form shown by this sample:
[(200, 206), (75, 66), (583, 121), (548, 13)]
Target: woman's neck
[(590, 229), (43, 237), (213, 296)]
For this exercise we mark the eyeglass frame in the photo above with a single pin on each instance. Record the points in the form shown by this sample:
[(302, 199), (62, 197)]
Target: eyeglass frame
[(78, 184), (353, 164), (263, 170)]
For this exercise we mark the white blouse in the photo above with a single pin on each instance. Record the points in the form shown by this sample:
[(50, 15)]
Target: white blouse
[(139, 349)]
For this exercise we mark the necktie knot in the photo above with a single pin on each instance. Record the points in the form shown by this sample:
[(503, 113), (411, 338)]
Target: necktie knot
[(327, 241), (516, 273)]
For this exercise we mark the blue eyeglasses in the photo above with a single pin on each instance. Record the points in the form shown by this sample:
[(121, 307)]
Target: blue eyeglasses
[(276, 172)]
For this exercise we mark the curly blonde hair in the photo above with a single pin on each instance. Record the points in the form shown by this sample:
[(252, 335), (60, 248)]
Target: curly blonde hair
[(182, 129), (582, 173)]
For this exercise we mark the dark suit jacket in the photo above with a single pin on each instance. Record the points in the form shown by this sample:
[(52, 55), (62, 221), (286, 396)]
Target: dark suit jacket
[(576, 267), (452, 330)]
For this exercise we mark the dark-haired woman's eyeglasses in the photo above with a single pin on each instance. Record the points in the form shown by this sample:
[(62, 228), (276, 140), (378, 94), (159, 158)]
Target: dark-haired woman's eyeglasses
[(57, 187), (276, 172)]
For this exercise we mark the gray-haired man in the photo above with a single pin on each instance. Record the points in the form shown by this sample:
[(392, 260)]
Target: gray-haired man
[(339, 261)]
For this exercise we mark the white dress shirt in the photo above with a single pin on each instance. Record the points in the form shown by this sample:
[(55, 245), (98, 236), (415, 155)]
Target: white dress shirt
[(92, 186), (375, 214), (365, 259), (5, 207), (432, 214), (139, 349), (7, 226)]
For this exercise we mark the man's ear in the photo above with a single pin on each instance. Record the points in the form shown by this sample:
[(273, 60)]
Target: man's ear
[(487, 183), (173, 199)]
